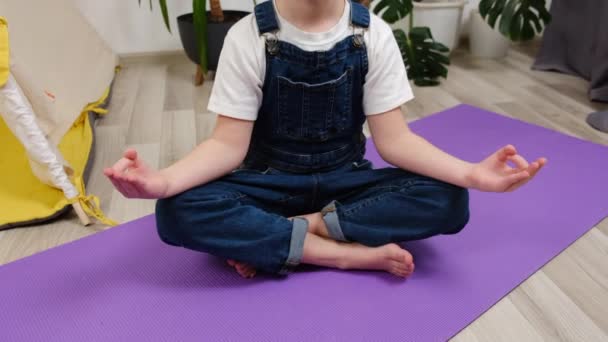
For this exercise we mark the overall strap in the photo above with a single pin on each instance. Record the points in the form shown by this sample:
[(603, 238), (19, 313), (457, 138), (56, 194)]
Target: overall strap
[(359, 14), (265, 17)]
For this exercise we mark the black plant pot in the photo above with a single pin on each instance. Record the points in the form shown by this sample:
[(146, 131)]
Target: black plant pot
[(216, 32)]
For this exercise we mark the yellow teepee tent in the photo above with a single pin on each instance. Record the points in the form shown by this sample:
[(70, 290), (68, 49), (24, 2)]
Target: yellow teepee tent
[(55, 71)]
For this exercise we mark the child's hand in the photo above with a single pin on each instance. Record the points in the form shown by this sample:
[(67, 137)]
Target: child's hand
[(494, 174), (134, 179)]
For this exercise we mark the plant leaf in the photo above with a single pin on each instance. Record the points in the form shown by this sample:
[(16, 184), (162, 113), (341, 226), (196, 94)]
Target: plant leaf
[(527, 31), (424, 58), (536, 21), (484, 7), (519, 19), (515, 26), (199, 9), (495, 13), (506, 18), (393, 10), (165, 12)]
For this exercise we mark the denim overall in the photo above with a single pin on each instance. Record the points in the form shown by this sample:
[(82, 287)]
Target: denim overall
[(305, 156)]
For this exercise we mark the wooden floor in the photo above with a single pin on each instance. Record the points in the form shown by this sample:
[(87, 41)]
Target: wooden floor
[(156, 109)]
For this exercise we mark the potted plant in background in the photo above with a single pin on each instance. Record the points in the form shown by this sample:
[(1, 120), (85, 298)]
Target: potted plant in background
[(425, 58), (520, 20), (442, 17), (202, 32)]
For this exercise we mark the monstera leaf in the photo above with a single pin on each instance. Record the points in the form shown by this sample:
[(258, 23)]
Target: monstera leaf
[(519, 19), (424, 58), (393, 10)]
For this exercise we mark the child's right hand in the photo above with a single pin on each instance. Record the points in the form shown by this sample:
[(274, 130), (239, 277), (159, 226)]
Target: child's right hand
[(134, 179)]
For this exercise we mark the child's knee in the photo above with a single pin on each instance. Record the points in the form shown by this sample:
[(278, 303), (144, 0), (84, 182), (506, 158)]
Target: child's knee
[(167, 221), (174, 215), (192, 214), (456, 210)]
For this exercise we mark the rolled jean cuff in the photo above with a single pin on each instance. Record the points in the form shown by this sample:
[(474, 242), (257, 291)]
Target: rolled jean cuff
[(296, 246), (330, 216)]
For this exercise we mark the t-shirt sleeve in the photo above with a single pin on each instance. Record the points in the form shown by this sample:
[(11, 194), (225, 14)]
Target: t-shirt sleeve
[(386, 83), (237, 89)]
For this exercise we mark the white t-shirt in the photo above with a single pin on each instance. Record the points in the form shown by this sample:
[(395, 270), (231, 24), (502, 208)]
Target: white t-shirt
[(237, 90)]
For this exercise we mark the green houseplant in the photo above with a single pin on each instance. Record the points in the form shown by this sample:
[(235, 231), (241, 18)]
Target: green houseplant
[(498, 22), (202, 33), (520, 20), (425, 59)]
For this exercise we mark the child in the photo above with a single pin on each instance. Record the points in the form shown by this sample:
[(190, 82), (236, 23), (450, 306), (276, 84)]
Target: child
[(283, 181)]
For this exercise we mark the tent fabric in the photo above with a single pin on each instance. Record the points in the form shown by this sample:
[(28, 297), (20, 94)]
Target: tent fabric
[(56, 68), (25, 199), (4, 52), (63, 53), (45, 160)]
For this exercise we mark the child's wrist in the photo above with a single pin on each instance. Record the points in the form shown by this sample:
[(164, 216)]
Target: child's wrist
[(469, 179), (166, 181)]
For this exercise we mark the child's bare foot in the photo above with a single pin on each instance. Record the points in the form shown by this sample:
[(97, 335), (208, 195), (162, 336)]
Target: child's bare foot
[(244, 270), (390, 258)]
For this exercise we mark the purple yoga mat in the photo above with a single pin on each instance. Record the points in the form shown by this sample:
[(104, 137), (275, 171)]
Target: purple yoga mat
[(124, 284)]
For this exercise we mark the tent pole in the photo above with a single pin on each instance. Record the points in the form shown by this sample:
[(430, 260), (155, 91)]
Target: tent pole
[(84, 219)]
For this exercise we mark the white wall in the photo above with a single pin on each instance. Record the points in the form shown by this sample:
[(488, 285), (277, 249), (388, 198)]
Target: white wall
[(130, 29)]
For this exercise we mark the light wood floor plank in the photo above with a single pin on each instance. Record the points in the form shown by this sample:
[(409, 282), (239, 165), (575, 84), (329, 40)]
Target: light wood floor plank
[(21, 242), (205, 123), (109, 147), (554, 316), (180, 90), (490, 326), (124, 94), (591, 253), (178, 137), (201, 97), (579, 285), (145, 125)]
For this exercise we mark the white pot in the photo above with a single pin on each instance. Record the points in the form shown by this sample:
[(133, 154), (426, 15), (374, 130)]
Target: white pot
[(443, 17), (485, 41)]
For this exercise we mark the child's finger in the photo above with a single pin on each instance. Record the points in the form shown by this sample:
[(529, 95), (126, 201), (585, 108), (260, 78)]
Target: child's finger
[(122, 184), (135, 180), (140, 184), (505, 152), (130, 190), (519, 161), (128, 183), (533, 169), (542, 161), (536, 166), (122, 165), (510, 180), (130, 154), (117, 184)]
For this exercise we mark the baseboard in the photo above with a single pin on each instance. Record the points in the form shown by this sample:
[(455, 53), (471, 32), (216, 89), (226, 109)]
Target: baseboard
[(152, 56)]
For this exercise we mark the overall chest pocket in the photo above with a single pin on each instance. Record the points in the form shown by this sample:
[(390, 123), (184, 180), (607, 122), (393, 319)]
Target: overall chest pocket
[(314, 112)]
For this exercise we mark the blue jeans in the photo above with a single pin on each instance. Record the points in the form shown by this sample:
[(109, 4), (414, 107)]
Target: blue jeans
[(243, 216)]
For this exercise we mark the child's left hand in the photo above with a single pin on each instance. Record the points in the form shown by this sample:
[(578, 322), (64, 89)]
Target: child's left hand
[(495, 174)]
